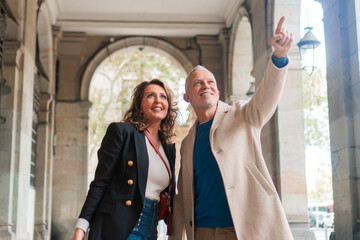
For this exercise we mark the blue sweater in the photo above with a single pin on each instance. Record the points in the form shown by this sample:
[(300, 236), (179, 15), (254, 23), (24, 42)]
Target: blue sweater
[(211, 206)]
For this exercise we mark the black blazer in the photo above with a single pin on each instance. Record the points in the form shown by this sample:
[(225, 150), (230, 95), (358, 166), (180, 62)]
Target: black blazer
[(122, 157)]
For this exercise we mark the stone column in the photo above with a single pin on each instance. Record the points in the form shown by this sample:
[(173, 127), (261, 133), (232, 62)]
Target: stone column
[(70, 166), (342, 37), (282, 138), (9, 150), (44, 172), (43, 169), (224, 40), (290, 172), (70, 68), (70, 159), (211, 57)]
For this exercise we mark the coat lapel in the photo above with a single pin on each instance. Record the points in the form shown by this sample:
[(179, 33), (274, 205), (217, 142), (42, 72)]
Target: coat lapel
[(169, 155), (188, 157), (171, 158), (142, 161), (220, 114)]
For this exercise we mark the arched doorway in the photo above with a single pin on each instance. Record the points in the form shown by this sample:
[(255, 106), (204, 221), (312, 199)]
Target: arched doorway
[(148, 44), (112, 85)]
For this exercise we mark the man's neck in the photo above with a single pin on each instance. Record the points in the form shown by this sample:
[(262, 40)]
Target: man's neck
[(205, 114)]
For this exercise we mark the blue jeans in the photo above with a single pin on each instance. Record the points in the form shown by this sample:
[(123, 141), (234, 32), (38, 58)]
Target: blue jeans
[(146, 227)]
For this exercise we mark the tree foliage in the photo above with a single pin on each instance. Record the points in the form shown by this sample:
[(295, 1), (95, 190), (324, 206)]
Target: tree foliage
[(323, 192), (316, 109), (316, 129)]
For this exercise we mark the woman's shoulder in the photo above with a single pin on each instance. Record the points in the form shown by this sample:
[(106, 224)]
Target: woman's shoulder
[(122, 126)]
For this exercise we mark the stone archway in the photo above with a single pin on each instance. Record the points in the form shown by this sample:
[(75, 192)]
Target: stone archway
[(241, 60), (162, 46), (150, 44), (109, 109), (45, 48)]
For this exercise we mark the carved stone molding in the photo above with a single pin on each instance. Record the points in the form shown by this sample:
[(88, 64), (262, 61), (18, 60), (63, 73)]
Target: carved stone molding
[(56, 35), (71, 44), (13, 54), (45, 100)]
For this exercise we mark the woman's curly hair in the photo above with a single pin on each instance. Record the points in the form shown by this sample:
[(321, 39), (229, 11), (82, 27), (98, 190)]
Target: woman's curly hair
[(135, 116)]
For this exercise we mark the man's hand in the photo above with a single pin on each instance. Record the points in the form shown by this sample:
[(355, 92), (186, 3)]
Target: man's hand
[(79, 234), (281, 40)]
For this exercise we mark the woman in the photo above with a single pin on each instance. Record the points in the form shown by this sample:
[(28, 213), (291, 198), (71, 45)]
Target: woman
[(122, 202)]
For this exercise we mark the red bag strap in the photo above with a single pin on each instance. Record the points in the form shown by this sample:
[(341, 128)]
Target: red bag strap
[(154, 145)]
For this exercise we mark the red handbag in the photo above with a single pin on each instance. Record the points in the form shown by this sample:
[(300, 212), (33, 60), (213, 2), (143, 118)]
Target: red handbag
[(164, 207)]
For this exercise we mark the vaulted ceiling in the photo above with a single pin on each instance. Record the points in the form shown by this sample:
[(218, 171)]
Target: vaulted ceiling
[(143, 17)]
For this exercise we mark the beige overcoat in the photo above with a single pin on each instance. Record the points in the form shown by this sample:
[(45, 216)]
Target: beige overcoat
[(254, 204)]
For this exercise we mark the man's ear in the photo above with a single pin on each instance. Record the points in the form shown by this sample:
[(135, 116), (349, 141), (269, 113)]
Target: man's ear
[(186, 97)]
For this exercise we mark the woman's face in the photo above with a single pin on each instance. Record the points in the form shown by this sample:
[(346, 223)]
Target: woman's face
[(154, 103)]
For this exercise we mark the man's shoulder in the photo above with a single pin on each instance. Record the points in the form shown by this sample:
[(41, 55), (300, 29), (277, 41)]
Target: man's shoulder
[(225, 107)]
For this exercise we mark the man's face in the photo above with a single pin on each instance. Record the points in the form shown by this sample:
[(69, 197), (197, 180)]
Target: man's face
[(202, 91)]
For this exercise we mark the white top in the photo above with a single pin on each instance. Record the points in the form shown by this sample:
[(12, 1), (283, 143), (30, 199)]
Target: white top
[(158, 177), (157, 181)]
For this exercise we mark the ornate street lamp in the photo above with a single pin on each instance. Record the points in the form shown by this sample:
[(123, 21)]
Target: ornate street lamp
[(308, 43)]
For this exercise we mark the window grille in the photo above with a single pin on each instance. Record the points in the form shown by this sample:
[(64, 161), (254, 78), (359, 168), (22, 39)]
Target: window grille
[(34, 130)]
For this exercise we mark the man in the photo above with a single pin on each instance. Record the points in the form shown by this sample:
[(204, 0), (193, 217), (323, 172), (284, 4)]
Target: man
[(224, 188)]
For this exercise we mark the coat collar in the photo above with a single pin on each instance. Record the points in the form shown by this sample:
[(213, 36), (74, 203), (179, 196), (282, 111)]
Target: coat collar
[(220, 114), (221, 110), (189, 141)]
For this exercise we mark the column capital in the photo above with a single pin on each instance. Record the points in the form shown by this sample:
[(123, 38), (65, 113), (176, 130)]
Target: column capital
[(207, 40), (56, 31), (224, 36), (71, 44), (45, 100), (56, 35), (13, 53)]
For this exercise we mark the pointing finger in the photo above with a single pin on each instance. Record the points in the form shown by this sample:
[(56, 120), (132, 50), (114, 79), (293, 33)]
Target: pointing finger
[(279, 25)]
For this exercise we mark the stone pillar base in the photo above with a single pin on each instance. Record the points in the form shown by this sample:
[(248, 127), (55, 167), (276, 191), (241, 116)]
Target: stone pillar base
[(63, 229), (303, 234), (301, 231), (41, 232), (6, 232), (355, 237)]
